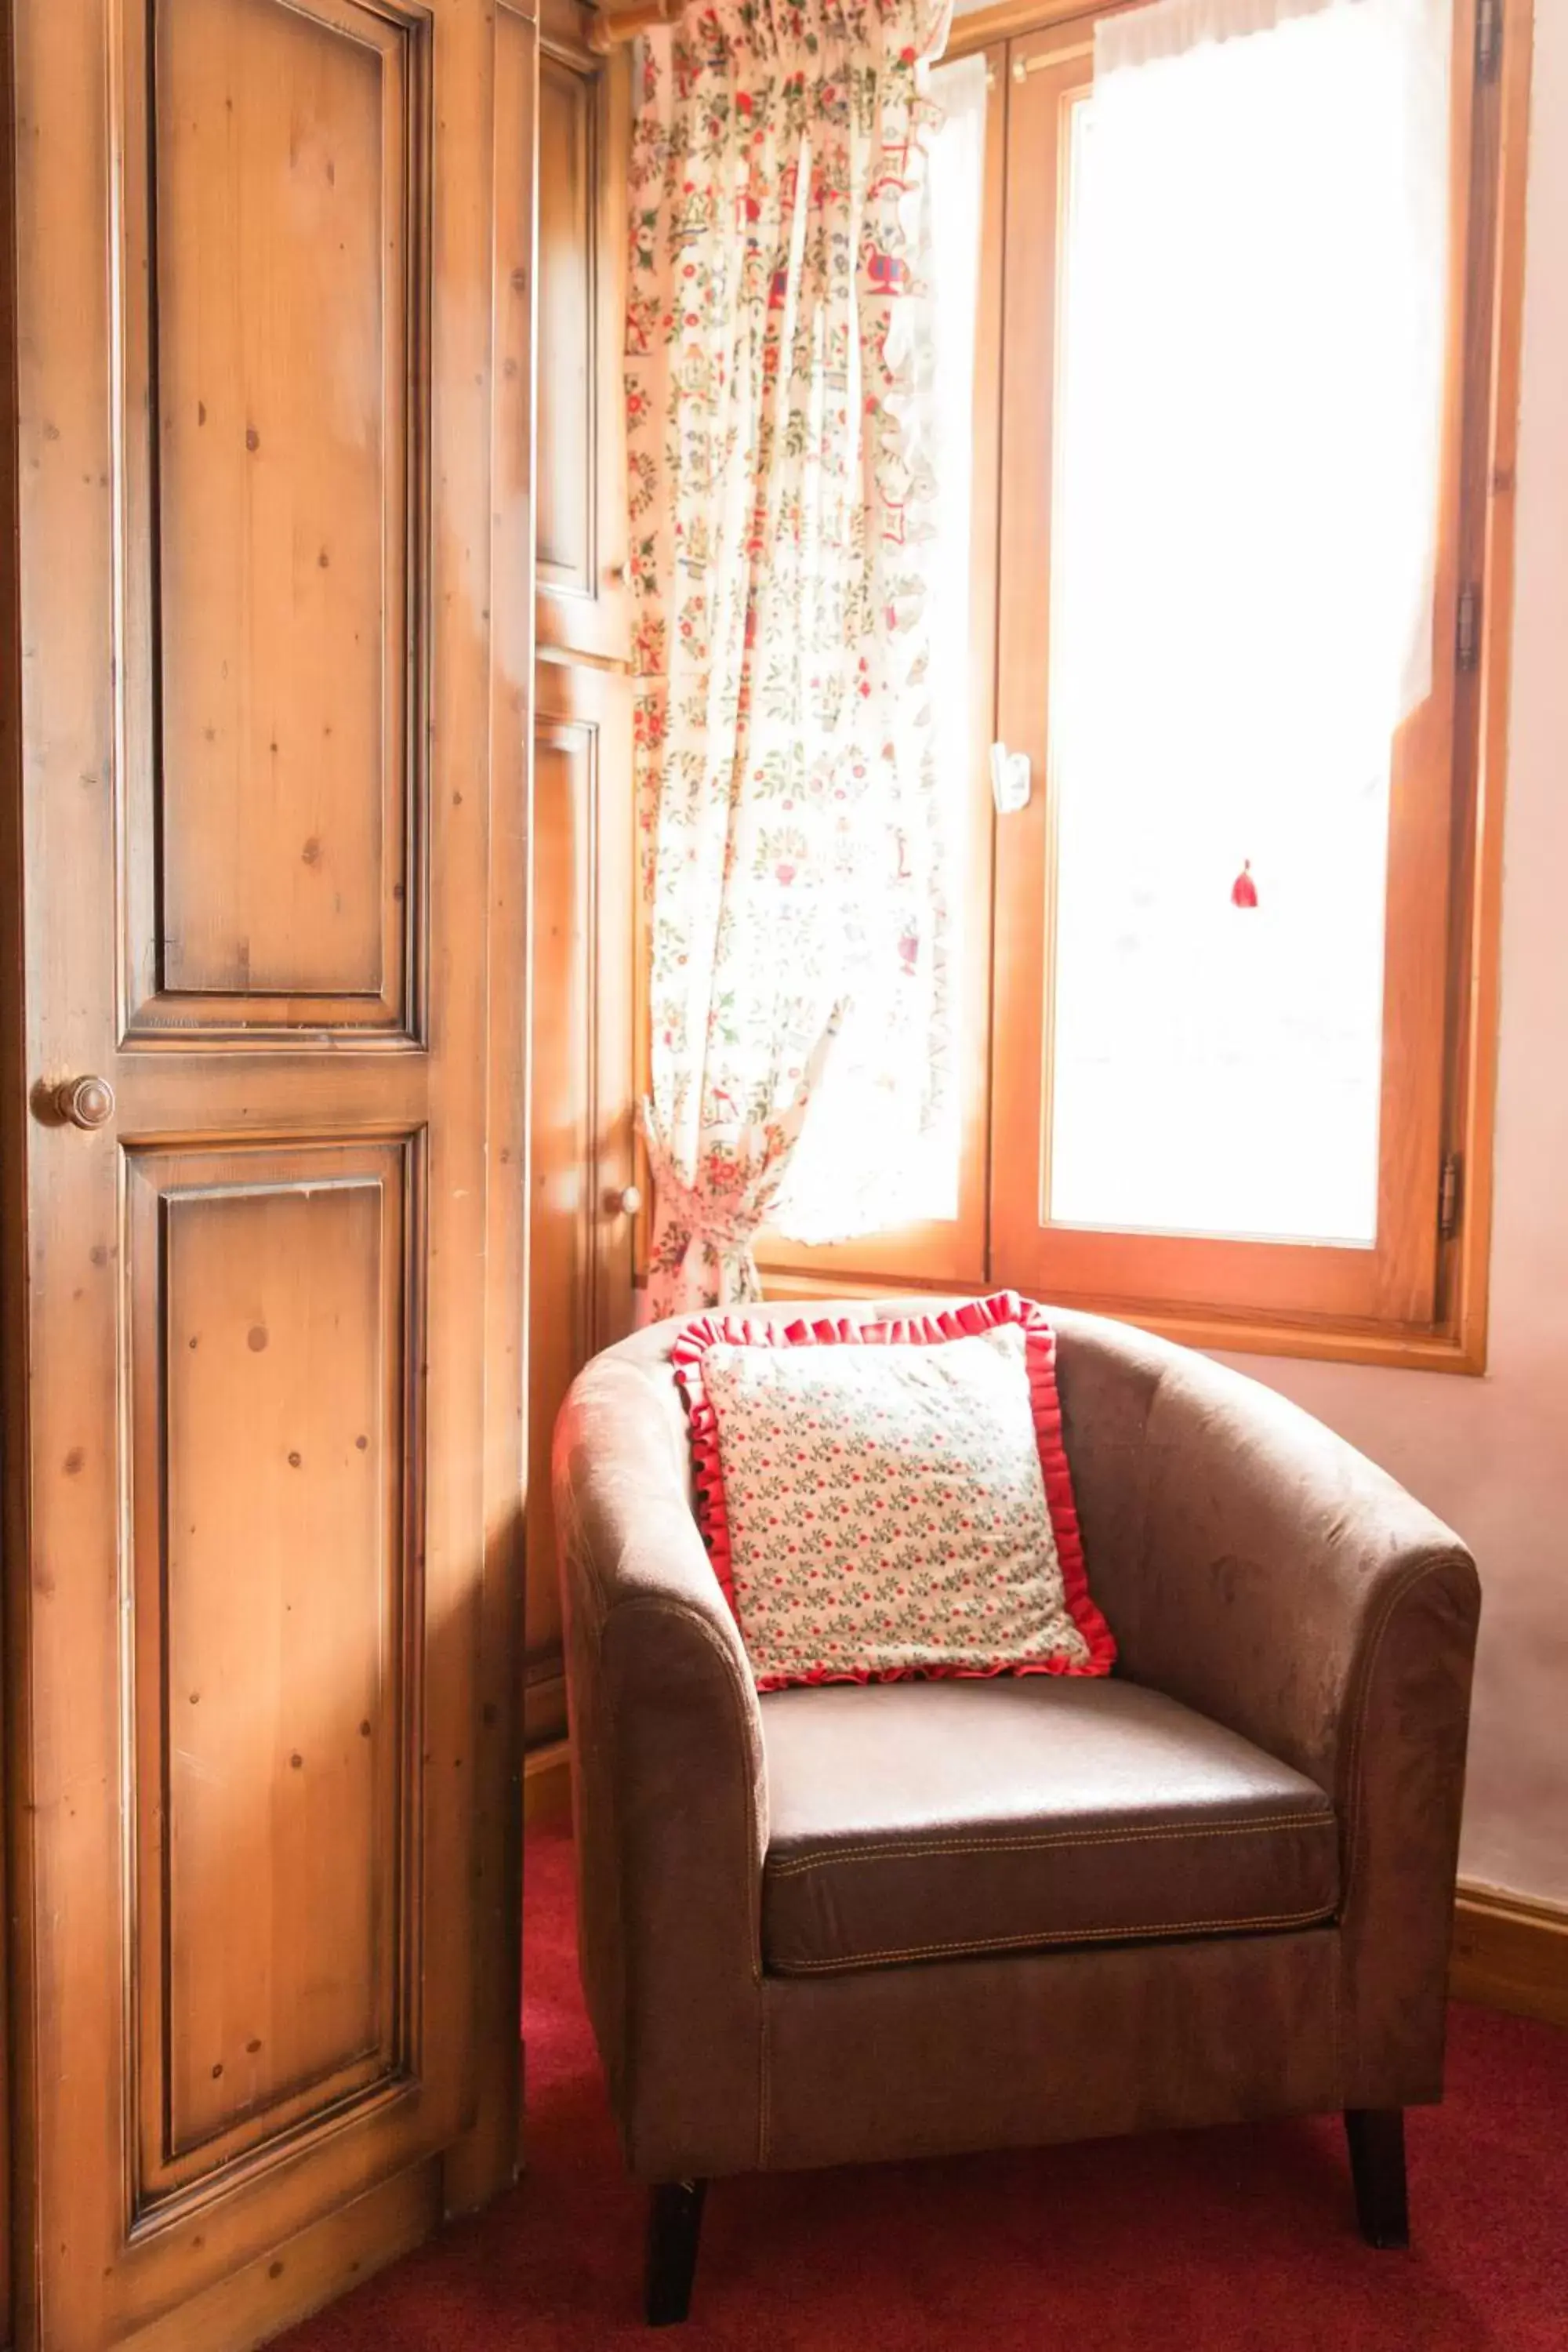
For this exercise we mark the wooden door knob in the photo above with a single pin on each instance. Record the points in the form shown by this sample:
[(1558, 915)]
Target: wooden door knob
[(85, 1102), (629, 1199)]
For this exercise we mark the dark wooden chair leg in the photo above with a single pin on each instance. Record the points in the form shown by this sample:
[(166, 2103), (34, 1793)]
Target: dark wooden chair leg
[(1377, 2138), (674, 2225)]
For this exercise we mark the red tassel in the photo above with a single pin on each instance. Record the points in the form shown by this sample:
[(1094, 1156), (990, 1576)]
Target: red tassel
[(1244, 889)]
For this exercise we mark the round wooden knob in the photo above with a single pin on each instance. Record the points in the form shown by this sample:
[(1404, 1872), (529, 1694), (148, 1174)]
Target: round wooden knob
[(85, 1102)]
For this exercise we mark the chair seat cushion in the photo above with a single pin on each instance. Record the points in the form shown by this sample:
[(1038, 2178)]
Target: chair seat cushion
[(918, 1821)]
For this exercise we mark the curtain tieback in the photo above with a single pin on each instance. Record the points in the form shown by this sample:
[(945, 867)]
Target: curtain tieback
[(728, 1219), (714, 1217)]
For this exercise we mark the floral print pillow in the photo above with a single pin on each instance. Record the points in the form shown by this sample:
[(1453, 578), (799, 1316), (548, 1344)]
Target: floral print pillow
[(891, 1499)]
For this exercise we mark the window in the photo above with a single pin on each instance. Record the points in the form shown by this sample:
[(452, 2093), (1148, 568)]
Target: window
[(1238, 406)]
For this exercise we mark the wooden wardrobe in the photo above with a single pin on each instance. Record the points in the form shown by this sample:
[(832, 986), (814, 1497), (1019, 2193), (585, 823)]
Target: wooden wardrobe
[(267, 671)]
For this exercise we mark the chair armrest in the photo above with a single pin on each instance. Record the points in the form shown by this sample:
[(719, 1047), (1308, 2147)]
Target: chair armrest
[(1288, 1588), (667, 1772)]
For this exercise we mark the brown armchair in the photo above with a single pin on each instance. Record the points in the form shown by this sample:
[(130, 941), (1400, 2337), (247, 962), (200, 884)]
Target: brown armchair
[(830, 1926)]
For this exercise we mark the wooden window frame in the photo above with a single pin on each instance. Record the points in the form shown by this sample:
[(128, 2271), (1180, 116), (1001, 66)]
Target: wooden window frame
[(1429, 1317)]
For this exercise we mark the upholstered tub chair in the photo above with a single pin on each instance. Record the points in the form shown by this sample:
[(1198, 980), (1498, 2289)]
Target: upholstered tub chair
[(851, 1923)]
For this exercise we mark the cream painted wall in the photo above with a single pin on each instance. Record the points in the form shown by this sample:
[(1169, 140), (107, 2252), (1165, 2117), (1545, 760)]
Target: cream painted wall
[(1491, 1454)]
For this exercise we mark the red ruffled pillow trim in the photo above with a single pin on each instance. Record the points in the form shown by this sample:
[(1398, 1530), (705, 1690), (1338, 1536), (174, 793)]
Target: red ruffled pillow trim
[(975, 1316)]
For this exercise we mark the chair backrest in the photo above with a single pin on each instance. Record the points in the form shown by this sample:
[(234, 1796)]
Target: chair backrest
[(1183, 1572), (1108, 1374)]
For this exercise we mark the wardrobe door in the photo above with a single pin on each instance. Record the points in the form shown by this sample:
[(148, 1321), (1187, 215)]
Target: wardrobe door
[(583, 1221), (265, 1220)]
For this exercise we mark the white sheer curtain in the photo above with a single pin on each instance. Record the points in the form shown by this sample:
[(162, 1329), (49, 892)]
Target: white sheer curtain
[(1246, 501)]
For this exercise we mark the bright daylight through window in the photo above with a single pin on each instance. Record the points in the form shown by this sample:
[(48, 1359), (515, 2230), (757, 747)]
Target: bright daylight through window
[(1221, 460), (1247, 474)]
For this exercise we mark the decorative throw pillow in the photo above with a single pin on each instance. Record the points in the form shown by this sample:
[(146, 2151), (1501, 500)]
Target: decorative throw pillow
[(891, 1499)]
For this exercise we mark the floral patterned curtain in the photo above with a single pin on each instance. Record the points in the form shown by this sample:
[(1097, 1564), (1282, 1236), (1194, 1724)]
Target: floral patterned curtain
[(779, 360)]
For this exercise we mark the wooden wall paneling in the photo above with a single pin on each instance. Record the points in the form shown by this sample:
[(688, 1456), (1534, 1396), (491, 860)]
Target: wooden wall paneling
[(261, 1783), (584, 1078), (581, 1237), (585, 602), (488, 2155)]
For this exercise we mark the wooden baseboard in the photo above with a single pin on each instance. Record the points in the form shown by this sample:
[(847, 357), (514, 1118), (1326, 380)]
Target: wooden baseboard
[(544, 1710), (547, 1784), (1511, 1953), (335, 2253)]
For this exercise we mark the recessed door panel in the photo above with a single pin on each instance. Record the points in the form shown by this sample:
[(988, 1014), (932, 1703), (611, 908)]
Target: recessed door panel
[(568, 127), (271, 1311), (585, 138), (272, 271)]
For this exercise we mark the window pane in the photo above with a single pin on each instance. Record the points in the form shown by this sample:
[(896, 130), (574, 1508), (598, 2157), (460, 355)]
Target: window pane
[(1245, 505)]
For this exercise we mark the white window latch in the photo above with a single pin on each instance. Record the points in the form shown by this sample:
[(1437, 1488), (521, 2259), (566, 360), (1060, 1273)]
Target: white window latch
[(1009, 780)]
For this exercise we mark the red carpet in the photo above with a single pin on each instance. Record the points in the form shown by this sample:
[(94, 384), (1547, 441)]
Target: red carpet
[(1241, 2239)]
